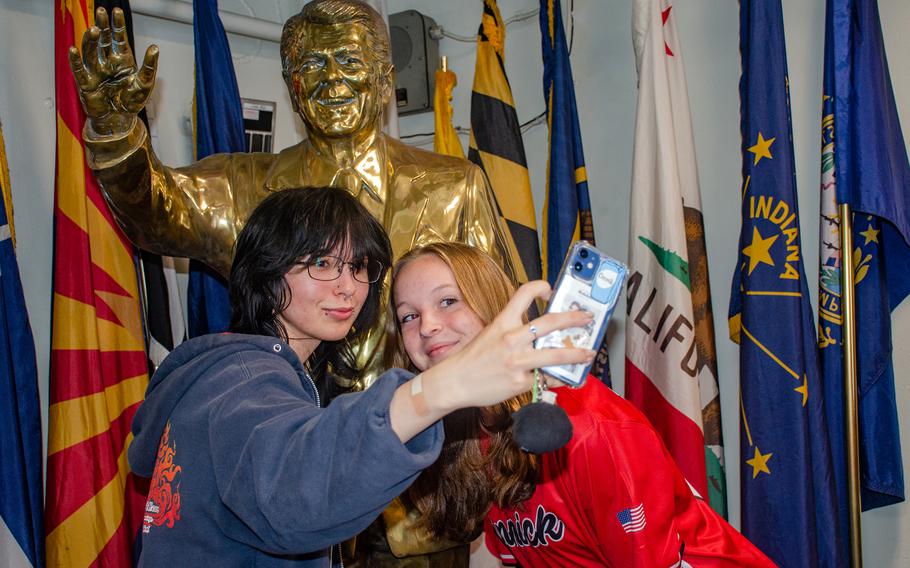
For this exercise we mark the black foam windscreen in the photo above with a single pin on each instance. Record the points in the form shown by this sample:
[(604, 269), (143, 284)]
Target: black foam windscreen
[(541, 427)]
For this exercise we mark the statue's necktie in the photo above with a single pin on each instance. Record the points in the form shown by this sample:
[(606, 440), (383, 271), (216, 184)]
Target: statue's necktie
[(348, 179)]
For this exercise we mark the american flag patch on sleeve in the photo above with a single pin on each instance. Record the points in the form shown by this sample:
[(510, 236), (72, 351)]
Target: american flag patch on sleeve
[(632, 519)]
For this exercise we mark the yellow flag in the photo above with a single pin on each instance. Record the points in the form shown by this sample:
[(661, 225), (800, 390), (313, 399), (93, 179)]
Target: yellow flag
[(5, 186), (445, 141)]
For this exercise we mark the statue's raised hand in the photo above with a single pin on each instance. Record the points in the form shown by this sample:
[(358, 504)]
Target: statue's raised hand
[(111, 89)]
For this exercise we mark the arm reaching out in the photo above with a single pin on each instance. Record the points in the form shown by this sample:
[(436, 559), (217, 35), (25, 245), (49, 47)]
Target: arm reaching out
[(112, 91), (497, 365), (187, 211)]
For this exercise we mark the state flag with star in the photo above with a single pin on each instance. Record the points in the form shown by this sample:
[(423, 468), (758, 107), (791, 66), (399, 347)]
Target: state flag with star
[(788, 495), (863, 164)]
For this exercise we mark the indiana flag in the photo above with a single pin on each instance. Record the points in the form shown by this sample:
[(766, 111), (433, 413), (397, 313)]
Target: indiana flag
[(21, 490), (864, 164), (671, 360), (218, 128), (788, 495), (496, 145), (98, 360), (445, 139)]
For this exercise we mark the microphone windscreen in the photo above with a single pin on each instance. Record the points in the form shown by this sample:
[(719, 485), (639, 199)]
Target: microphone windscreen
[(541, 427)]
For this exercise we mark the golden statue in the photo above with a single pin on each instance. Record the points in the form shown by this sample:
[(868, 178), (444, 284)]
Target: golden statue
[(337, 65)]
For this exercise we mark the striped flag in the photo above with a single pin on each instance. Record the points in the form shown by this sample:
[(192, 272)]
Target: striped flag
[(163, 312), (445, 139), (567, 208), (671, 360), (789, 507), (632, 519), (21, 491), (98, 361), (217, 128), (496, 145), (165, 328)]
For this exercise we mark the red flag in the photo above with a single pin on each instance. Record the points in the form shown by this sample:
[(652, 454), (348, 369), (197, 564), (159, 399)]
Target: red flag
[(98, 364)]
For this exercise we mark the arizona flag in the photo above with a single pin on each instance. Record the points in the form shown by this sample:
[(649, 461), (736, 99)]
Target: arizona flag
[(671, 362), (98, 362)]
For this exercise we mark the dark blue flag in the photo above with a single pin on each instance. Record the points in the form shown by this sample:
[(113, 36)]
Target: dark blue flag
[(788, 493), (864, 164), (21, 491), (219, 129), (567, 207)]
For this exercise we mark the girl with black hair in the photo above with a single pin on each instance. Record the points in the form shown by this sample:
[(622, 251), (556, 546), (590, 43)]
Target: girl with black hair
[(249, 465)]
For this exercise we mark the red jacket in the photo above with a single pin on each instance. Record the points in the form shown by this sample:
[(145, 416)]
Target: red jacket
[(613, 497)]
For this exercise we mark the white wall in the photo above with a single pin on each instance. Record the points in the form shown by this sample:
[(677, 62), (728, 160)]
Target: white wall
[(604, 71)]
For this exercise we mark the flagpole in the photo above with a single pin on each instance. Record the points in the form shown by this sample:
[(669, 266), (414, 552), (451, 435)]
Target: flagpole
[(848, 303)]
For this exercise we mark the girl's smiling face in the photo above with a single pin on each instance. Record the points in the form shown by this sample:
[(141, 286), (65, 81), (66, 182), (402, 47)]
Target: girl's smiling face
[(320, 310), (435, 320)]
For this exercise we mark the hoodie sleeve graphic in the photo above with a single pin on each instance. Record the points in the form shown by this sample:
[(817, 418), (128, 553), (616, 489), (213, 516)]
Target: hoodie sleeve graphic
[(163, 505)]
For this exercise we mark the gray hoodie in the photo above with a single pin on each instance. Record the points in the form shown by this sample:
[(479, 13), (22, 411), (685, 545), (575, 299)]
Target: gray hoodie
[(248, 470)]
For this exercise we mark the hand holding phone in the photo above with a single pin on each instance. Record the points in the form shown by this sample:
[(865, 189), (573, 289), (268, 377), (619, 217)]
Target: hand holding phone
[(590, 281)]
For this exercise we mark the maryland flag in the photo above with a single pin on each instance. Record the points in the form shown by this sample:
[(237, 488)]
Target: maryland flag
[(98, 374), (496, 145), (445, 139), (789, 507), (671, 366)]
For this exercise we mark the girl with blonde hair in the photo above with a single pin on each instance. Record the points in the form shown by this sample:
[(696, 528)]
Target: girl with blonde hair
[(611, 497)]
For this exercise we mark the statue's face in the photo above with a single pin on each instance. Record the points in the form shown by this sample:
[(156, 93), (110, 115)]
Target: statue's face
[(336, 83)]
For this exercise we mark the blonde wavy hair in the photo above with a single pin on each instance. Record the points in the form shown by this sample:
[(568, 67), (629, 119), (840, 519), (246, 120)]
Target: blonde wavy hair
[(455, 493)]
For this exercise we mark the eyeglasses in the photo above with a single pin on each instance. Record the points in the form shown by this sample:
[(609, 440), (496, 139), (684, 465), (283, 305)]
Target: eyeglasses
[(366, 270)]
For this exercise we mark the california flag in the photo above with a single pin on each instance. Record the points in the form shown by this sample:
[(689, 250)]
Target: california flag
[(671, 363)]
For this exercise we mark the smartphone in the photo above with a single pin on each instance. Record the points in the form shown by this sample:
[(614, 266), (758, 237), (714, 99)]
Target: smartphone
[(590, 281)]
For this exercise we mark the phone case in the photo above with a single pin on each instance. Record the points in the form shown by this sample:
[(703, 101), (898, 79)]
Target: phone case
[(590, 281)]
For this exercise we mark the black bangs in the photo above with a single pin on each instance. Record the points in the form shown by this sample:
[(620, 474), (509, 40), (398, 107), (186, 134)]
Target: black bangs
[(293, 225), (329, 221), (296, 224)]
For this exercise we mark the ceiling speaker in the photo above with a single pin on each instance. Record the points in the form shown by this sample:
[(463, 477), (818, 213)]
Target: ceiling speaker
[(415, 55)]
